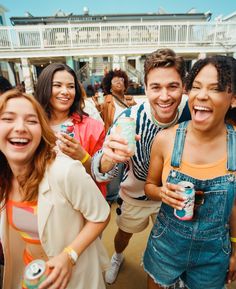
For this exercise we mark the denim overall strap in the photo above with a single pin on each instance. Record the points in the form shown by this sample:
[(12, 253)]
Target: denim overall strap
[(179, 144), (231, 147)]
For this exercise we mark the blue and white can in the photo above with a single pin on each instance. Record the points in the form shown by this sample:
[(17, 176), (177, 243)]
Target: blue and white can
[(188, 210), (126, 128)]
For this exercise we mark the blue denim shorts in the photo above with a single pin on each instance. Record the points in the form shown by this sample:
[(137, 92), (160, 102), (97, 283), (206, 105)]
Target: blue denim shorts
[(199, 264)]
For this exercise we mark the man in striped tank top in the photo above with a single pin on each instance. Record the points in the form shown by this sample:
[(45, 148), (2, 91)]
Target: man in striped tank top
[(164, 82)]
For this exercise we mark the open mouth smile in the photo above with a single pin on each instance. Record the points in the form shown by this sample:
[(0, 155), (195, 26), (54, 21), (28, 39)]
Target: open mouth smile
[(19, 141), (201, 113)]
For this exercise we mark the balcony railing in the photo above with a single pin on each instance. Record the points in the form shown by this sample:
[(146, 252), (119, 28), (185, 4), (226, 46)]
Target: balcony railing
[(117, 35)]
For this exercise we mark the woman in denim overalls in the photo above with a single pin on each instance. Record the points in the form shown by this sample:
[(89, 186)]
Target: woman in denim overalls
[(197, 251)]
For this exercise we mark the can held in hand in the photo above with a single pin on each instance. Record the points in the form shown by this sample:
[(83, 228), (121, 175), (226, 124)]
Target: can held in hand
[(68, 128), (126, 128), (35, 273), (189, 192)]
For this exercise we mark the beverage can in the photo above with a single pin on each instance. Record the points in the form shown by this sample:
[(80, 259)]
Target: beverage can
[(126, 127), (187, 212), (100, 97), (35, 273), (68, 128)]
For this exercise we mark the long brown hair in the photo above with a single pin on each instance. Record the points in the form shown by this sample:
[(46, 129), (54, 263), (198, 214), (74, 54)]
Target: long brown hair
[(43, 91), (43, 155)]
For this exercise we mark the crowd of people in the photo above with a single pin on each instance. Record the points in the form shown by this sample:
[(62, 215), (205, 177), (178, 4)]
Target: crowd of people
[(63, 164)]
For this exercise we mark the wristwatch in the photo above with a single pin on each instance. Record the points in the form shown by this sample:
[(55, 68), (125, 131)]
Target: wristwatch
[(73, 256)]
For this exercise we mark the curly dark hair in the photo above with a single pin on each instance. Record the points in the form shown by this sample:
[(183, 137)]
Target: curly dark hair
[(44, 89), (223, 65), (226, 70), (164, 58), (106, 82)]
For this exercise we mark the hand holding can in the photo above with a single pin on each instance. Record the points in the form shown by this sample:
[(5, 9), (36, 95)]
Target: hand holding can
[(126, 128), (189, 193), (68, 128), (35, 273)]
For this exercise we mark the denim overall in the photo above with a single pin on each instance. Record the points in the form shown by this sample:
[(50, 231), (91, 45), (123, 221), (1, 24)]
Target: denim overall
[(198, 250)]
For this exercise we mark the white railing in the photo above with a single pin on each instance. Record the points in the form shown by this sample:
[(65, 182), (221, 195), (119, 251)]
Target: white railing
[(115, 35)]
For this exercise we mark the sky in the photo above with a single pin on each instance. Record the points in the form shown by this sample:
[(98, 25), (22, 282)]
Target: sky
[(49, 7)]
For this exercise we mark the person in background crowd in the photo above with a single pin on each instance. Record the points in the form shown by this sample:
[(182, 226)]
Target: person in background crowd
[(97, 85), (4, 85), (89, 105), (21, 86), (90, 90), (114, 84), (59, 93), (196, 249), (51, 208), (164, 76)]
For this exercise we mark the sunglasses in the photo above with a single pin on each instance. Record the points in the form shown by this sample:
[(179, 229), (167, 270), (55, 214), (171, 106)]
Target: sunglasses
[(118, 209), (117, 80)]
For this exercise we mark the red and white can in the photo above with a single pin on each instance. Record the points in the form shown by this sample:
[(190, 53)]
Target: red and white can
[(68, 128)]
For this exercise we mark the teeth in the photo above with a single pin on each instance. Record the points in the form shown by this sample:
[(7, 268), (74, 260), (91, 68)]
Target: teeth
[(62, 98), (164, 105), (201, 108), (20, 140)]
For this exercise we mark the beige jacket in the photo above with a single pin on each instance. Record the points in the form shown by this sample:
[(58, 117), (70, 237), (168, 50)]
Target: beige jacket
[(67, 197)]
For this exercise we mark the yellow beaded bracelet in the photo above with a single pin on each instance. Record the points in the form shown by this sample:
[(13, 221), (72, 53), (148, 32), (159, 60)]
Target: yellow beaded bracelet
[(233, 239), (73, 256), (85, 158)]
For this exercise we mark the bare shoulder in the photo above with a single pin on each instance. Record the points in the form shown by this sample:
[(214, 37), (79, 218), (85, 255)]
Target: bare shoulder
[(164, 140), (166, 134)]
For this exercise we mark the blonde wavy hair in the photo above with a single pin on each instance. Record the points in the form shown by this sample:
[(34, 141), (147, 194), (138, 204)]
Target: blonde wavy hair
[(43, 155)]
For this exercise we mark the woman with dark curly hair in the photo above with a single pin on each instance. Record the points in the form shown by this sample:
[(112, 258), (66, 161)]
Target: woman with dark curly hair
[(231, 115), (194, 235), (114, 84)]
